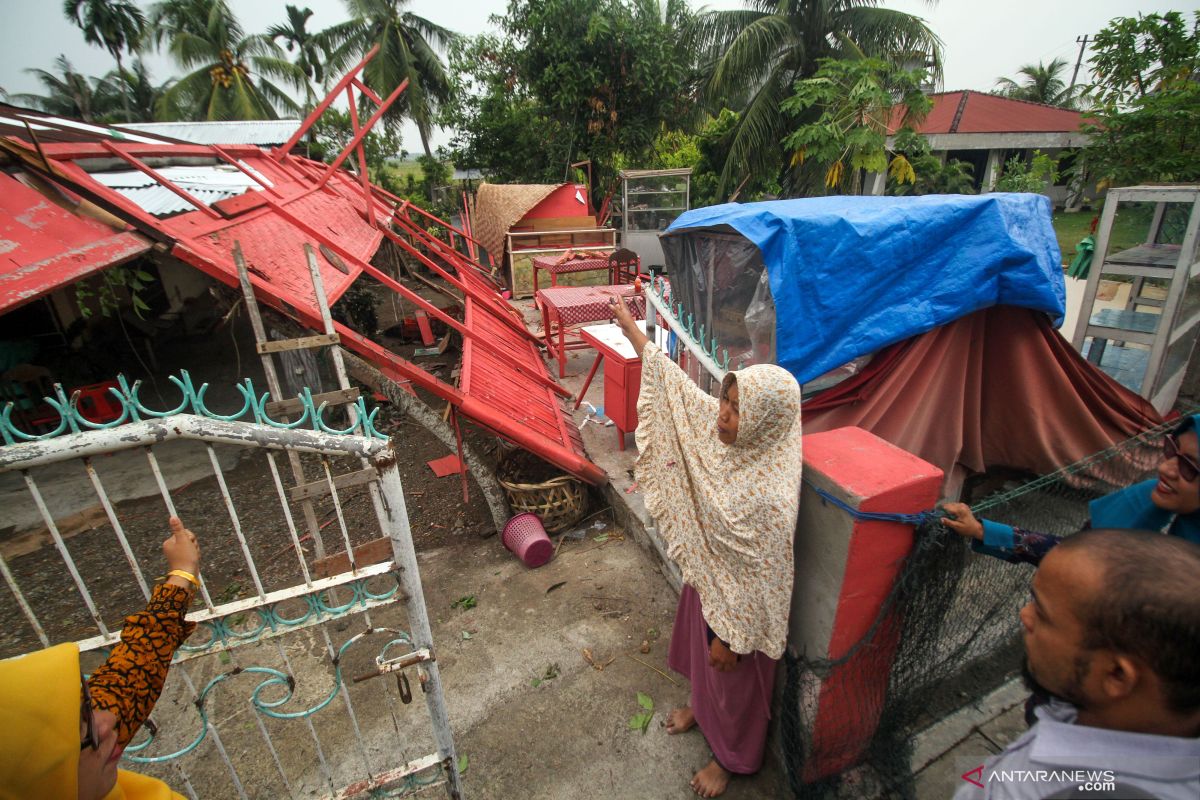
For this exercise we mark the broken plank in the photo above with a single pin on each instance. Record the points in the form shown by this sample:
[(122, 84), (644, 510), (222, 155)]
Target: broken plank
[(307, 491), (365, 554), (303, 343), (437, 350), (278, 408)]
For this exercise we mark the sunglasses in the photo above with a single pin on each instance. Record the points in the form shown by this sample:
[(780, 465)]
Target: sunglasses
[(88, 718), (1189, 470)]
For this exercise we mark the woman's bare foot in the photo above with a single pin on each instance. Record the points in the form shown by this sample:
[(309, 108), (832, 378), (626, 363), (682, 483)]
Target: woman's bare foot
[(680, 720), (710, 781)]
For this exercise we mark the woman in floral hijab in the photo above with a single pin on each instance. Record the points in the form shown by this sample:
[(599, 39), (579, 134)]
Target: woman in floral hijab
[(721, 478)]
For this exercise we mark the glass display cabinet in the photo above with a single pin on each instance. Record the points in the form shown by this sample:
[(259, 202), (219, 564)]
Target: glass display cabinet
[(651, 199)]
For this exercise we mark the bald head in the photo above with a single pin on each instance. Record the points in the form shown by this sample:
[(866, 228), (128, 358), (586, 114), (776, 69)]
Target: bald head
[(1145, 604)]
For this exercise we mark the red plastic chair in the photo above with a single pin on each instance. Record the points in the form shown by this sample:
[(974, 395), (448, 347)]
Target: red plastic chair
[(96, 403)]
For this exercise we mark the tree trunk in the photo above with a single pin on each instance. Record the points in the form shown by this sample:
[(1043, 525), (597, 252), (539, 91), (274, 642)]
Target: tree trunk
[(124, 86), (424, 140)]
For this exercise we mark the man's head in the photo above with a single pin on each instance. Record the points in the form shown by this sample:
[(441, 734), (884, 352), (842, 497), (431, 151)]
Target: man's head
[(1114, 627)]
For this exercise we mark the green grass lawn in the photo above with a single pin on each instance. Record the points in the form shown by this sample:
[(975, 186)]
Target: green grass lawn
[(1129, 228), (402, 169)]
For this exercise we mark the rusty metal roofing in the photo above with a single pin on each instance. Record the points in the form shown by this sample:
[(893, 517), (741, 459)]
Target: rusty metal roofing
[(44, 246), (259, 132)]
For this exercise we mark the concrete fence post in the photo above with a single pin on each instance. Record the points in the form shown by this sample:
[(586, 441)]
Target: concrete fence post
[(845, 570)]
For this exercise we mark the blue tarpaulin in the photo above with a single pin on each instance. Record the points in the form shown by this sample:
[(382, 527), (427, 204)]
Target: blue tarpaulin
[(850, 275)]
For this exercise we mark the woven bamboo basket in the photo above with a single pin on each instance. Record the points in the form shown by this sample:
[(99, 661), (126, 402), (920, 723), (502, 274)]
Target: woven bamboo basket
[(559, 502)]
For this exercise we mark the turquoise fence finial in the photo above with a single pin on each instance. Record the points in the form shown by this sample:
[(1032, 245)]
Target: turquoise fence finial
[(703, 347), (71, 420), (725, 359)]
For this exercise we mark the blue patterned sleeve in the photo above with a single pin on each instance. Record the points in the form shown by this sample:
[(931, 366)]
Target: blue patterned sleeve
[(1014, 545)]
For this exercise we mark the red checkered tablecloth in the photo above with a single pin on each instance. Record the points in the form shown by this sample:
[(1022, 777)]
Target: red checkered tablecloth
[(575, 305), (551, 265)]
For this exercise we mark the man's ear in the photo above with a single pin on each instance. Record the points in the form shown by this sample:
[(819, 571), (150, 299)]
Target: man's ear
[(1120, 675)]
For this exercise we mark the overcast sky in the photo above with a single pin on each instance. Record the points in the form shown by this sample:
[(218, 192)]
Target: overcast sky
[(982, 40)]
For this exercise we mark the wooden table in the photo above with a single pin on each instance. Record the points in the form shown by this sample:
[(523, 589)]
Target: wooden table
[(551, 264), (564, 307), (622, 375)]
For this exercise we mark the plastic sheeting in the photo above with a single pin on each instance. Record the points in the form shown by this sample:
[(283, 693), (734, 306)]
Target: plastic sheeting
[(850, 275), (997, 389), (722, 283)]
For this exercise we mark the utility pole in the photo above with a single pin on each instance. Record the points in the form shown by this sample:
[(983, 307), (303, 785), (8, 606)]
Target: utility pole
[(1083, 43)]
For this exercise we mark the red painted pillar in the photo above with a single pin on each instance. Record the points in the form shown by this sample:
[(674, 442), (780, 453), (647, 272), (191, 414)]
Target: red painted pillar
[(845, 570)]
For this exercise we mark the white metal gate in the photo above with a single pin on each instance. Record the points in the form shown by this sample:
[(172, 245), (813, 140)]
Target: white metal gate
[(276, 642)]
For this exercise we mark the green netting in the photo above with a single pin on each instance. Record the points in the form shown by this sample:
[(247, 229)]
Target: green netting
[(955, 613)]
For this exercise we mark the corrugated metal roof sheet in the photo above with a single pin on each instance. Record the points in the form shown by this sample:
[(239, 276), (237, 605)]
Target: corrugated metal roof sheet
[(260, 132), (206, 184), (50, 128), (161, 201)]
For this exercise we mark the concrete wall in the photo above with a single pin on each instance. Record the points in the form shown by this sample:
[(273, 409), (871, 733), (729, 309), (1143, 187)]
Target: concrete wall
[(845, 571)]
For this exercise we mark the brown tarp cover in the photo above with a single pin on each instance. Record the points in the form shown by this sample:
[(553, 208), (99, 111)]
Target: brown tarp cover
[(498, 206), (997, 388)]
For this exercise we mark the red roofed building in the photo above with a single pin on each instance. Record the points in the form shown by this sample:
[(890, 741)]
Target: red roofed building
[(986, 130)]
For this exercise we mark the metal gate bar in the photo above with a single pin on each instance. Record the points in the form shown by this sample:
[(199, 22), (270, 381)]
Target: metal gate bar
[(387, 491)]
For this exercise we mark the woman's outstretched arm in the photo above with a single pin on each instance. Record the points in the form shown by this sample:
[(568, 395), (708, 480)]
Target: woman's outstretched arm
[(628, 324)]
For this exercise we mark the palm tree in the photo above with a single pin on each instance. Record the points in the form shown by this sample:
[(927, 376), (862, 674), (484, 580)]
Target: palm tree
[(753, 56), (405, 52), (295, 36), (115, 25), (205, 37), (135, 89), (68, 93), (1042, 85)]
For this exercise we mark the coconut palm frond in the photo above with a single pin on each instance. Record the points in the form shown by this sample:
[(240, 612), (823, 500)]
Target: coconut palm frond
[(279, 99), (190, 50), (755, 144), (280, 69), (185, 97), (752, 55), (443, 38)]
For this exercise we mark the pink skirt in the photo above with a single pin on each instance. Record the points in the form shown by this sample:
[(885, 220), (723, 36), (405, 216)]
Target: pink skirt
[(732, 709)]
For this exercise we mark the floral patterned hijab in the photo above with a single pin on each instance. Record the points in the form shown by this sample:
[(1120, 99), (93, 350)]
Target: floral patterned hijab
[(726, 512)]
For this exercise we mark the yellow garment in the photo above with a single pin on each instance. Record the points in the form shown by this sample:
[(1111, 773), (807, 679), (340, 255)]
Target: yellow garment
[(726, 512), (132, 786), (39, 731)]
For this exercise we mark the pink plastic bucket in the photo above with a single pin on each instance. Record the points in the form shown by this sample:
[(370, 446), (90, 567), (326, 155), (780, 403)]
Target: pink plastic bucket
[(527, 539)]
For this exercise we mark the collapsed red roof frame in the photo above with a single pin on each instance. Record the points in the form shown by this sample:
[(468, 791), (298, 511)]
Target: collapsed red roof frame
[(504, 387)]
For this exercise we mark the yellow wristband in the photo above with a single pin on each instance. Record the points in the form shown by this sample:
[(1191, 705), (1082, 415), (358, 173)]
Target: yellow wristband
[(187, 576)]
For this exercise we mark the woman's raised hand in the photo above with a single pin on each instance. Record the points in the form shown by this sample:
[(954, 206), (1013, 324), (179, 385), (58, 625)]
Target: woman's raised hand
[(620, 312), (180, 548), (629, 326), (960, 520)]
